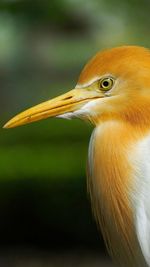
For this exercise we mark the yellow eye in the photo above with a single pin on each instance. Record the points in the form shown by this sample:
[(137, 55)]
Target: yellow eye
[(106, 84)]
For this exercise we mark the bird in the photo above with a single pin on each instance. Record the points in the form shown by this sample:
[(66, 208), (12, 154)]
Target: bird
[(113, 93)]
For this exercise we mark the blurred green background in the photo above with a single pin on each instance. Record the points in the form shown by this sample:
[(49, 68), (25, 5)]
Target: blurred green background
[(45, 214)]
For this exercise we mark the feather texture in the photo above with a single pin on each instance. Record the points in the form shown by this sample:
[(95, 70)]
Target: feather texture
[(111, 185)]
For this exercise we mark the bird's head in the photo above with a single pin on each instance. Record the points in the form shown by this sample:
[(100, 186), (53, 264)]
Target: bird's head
[(115, 83)]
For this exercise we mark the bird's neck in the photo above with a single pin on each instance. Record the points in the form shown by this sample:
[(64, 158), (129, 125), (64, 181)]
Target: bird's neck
[(111, 179)]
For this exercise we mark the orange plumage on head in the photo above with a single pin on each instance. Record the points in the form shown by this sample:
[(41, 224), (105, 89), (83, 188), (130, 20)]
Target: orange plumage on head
[(131, 66), (113, 92)]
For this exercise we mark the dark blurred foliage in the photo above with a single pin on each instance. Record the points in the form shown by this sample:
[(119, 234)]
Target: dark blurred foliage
[(43, 47), (75, 16), (55, 14)]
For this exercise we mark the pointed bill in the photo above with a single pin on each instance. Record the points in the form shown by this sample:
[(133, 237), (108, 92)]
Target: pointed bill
[(69, 102)]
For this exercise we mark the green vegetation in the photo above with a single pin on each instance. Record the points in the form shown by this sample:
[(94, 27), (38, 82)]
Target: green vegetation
[(51, 149)]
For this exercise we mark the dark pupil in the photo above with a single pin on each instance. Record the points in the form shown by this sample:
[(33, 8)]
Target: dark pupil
[(105, 83)]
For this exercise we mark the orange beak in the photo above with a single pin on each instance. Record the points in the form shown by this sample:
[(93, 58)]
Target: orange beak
[(69, 102)]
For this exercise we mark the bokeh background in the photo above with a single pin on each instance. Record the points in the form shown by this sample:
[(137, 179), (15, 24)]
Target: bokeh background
[(45, 213)]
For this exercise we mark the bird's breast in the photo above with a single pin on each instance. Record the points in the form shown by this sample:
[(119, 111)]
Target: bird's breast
[(112, 187)]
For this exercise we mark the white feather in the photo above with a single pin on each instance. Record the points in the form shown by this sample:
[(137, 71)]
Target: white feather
[(68, 116), (141, 197), (82, 112)]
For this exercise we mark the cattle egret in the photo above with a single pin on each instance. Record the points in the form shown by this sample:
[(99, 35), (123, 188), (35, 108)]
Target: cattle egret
[(113, 92)]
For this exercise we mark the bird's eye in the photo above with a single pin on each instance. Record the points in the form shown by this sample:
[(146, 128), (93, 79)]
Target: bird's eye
[(106, 84)]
